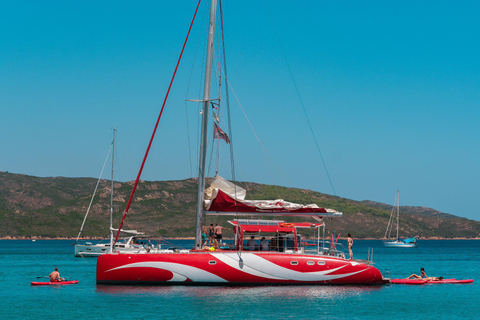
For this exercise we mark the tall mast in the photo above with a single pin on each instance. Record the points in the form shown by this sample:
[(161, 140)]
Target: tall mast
[(111, 191), (205, 112), (398, 210)]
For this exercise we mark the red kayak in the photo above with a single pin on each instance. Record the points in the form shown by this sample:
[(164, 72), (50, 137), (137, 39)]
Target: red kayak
[(54, 283), (408, 281), (451, 281), (422, 281)]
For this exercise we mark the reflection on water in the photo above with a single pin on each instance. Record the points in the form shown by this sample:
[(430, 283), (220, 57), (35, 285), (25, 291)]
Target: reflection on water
[(317, 292)]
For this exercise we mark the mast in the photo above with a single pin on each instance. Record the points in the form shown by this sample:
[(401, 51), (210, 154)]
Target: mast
[(398, 210), (111, 191), (205, 111)]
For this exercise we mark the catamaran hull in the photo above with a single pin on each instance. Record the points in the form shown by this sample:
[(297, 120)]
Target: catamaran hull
[(232, 269)]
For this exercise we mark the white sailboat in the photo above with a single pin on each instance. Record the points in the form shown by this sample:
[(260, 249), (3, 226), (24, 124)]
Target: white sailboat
[(395, 217), (128, 237)]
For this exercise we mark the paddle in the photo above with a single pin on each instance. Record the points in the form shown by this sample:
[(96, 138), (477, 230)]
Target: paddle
[(65, 278)]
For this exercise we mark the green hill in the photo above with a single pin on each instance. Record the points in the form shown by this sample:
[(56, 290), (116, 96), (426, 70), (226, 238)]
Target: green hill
[(55, 207)]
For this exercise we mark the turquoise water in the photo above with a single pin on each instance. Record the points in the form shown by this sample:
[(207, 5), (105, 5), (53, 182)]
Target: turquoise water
[(23, 260)]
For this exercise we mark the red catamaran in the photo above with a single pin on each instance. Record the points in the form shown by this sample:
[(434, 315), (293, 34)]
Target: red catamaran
[(287, 260)]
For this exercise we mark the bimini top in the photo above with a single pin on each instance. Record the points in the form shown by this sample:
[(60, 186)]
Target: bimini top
[(127, 233), (254, 226), (224, 198)]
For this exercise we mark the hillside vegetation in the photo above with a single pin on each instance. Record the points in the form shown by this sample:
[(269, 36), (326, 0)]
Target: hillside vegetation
[(55, 207)]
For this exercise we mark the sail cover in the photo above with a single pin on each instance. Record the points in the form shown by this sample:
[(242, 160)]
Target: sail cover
[(219, 202)]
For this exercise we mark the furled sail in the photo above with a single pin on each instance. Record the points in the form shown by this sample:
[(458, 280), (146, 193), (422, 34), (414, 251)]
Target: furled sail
[(220, 199)]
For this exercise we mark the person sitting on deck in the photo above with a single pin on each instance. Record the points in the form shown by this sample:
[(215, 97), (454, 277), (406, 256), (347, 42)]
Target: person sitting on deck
[(264, 245), (421, 276), (252, 244)]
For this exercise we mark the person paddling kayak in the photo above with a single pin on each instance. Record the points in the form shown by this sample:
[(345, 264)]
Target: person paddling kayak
[(55, 276)]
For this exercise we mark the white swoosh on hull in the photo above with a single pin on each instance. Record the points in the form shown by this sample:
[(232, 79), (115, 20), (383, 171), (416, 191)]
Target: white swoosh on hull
[(180, 271), (258, 266)]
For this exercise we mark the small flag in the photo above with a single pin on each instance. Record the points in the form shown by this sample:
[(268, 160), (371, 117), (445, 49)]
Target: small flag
[(215, 117), (219, 133)]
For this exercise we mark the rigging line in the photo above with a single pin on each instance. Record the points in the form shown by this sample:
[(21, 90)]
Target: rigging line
[(227, 98), (95, 191), (186, 109), (211, 157), (301, 102), (264, 150), (155, 130), (200, 36)]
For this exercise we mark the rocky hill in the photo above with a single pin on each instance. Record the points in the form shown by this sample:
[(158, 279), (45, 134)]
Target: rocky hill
[(55, 207)]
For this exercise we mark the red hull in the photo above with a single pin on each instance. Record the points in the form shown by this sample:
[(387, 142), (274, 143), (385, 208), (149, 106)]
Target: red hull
[(232, 268)]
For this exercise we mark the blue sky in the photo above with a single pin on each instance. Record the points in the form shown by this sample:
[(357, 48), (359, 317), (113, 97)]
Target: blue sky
[(391, 89)]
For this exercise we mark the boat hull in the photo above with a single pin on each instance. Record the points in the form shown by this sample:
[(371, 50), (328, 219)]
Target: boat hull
[(233, 269), (399, 244), (95, 250)]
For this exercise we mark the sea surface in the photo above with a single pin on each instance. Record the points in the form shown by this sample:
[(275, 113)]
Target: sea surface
[(22, 261)]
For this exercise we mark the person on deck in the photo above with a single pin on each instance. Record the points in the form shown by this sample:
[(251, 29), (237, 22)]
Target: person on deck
[(218, 232), (55, 276), (422, 275), (210, 234), (252, 244), (350, 246), (264, 245), (204, 236)]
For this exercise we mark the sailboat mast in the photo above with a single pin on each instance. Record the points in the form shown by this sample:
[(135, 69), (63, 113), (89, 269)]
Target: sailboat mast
[(205, 112), (111, 191), (398, 210)]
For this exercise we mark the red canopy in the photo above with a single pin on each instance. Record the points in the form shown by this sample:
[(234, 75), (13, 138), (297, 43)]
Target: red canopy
[(223, 203)]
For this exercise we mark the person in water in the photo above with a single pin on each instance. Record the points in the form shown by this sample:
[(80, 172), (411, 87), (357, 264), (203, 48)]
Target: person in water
[(55, 276), (422, 275)]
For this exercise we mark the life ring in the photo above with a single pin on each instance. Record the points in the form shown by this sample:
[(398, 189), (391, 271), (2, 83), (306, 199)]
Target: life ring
[(287, 225)]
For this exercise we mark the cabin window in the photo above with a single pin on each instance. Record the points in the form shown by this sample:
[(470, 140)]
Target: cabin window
[(212, 262), (321, 263), (310, 263), (294, 263)]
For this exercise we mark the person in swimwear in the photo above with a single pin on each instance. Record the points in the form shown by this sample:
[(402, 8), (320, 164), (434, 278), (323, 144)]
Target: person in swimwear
[(210, 234), (433, 278), (422, 275), (55, 276), (350, 246), (218, 232)]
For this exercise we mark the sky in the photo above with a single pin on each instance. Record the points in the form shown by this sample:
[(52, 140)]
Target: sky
[(390, 88)]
